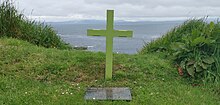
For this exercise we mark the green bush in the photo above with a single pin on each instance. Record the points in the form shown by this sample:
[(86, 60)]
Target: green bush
[(194, 46), (16, 25)]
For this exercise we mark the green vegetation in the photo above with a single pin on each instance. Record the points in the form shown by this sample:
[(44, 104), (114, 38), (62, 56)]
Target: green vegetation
[(194, 47), (37, 75), (49, 73), (16, 25)]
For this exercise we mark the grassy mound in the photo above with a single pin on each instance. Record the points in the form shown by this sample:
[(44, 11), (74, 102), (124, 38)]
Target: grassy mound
[(194, 46), (16, 25), (36, 75)]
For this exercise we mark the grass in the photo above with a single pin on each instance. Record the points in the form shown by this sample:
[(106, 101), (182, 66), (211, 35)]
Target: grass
[(194, 47), (36, 71), (15, 25), (36, 75)]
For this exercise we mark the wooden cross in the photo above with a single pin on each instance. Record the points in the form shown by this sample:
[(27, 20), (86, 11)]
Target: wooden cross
[(109, 33)]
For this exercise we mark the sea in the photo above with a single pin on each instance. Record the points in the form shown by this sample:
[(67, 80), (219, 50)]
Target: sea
[(75, 33)]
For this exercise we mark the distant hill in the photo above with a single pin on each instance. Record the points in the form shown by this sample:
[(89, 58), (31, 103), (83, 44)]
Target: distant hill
[(119, 22), (129, 22)]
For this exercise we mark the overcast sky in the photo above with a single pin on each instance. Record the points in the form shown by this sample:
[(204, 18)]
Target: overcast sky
[(58, 10)]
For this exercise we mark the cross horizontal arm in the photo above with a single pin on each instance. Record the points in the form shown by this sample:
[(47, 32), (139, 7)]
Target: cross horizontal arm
[(91, 32), (123, 33)]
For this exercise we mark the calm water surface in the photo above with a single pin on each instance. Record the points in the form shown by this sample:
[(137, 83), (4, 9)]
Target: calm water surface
[(75, 34)]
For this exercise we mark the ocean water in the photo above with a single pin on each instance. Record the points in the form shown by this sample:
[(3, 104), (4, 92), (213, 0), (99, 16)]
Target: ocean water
[(143, 32)]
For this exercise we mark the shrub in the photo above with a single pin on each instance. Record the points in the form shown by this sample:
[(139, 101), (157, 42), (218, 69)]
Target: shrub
[(16, 25), (194, 46)]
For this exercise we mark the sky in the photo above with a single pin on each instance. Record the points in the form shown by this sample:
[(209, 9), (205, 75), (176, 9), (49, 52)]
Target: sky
[(65, 10)]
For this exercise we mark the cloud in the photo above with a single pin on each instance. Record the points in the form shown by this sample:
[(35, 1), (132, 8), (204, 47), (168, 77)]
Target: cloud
[(95, 9)]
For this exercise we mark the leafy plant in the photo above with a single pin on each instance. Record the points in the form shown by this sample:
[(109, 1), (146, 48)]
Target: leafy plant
[(194, 47)]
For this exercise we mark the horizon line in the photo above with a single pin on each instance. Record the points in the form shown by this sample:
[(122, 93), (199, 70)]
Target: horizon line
[(128, 19)]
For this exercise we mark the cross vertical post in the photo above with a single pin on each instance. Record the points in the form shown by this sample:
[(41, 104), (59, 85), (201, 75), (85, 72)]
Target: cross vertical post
[(110, 33), (109, 44)]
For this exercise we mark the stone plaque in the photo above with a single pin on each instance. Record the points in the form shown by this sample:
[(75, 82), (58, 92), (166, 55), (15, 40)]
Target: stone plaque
[(108, 94)]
